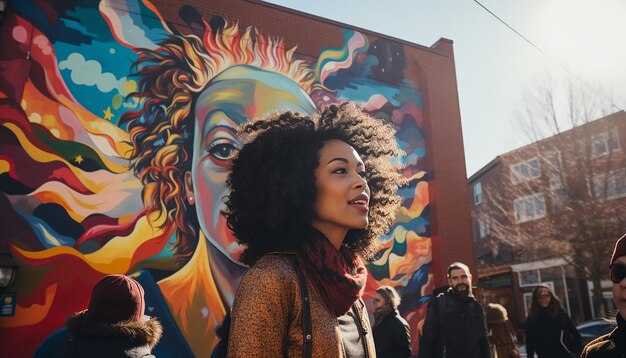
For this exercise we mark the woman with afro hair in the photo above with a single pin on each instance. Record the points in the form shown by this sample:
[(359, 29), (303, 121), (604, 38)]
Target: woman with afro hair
[(308, 197)]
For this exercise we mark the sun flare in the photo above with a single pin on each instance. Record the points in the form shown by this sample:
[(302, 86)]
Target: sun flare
[(587, 37)]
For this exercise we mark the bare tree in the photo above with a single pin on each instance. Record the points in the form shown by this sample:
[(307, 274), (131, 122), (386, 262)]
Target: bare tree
[(563, 195)]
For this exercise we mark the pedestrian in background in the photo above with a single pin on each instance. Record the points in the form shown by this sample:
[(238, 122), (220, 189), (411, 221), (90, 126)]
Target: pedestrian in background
[(549, 330), (613, 344), (501, 334), (392, 335), (454, 326), (114, 325)]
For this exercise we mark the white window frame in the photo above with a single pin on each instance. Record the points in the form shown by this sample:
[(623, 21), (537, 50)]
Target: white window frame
[(528, 209), (611, 187), (483, 228), (517, 170), (606, 140), (524, 283), (553, 169), (478, 193), (614, 138)]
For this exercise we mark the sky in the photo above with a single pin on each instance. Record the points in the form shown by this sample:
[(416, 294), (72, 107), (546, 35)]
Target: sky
[(579, 41)]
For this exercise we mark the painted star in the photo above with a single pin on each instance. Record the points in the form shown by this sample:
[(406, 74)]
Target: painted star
[(107, 113), (79, 159)]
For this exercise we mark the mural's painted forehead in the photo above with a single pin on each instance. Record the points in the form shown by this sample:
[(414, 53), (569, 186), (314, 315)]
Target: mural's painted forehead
[(247, 92)]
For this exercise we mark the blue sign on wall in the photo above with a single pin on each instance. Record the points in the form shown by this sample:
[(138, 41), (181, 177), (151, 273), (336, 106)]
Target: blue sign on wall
[(8, 301)]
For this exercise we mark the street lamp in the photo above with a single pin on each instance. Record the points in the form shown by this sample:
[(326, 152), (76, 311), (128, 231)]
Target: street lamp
[(8, 268)]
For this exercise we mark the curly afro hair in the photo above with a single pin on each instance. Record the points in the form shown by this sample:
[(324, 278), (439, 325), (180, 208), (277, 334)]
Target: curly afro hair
[(272, 180)]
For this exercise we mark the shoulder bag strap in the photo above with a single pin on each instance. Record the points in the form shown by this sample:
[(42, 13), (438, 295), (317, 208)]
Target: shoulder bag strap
[(441, 307), (307, 329)]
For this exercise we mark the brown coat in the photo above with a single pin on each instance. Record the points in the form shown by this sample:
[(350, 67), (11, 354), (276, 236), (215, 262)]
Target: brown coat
[(267, 314), (501, 334)]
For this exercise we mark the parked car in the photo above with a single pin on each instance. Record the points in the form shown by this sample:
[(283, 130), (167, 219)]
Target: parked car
[(593, 329)]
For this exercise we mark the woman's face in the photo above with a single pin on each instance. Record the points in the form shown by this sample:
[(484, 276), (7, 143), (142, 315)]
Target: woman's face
[(342, 201), (379, 302), (543, 297), (235, 96)]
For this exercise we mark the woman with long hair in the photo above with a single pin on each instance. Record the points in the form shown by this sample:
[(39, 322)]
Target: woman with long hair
[(308, 197), (549, 330)]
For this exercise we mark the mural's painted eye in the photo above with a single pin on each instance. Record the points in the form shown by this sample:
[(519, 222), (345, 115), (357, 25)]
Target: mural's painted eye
[(222, 149)]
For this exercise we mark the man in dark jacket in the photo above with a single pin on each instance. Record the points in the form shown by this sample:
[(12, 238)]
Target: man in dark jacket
[(613, 344), (455, 321), (114, 325)]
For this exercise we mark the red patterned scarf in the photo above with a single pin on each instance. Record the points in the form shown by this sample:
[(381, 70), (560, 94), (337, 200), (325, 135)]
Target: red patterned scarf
[(341, 273)]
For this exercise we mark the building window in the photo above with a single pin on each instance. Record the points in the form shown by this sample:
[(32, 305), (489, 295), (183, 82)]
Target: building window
[(559, 199), (612, 186), (605, 143), (478, 193), (483, 228), (553, 169), (526, 170), (529, 207), (529, 278)]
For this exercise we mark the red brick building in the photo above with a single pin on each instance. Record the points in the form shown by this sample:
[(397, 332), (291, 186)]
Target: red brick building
[(548, 212)]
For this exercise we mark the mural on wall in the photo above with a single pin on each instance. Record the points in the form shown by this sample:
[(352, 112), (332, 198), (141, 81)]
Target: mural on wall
[(116, 127)]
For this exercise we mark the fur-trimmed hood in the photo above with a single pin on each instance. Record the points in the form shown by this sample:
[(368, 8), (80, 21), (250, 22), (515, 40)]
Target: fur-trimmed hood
[(142, 333), (495, 313)]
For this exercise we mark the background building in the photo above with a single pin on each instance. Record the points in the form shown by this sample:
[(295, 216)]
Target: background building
[(77, 212), (549, 212)]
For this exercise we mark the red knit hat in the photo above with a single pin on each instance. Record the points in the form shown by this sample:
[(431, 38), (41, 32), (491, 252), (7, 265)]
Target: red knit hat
[(116, 298), (620, 249)]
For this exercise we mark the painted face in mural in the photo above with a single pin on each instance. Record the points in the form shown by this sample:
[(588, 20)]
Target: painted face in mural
[(233, 97)]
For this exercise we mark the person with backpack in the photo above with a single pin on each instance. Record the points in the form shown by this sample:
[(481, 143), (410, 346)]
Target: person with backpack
[(308, 197), (454, 326)]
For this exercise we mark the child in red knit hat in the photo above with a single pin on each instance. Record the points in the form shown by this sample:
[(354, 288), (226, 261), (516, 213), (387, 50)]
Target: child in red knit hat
[(114, 325)]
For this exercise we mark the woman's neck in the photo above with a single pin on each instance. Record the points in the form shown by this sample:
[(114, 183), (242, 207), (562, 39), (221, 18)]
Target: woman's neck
[(333, 234)]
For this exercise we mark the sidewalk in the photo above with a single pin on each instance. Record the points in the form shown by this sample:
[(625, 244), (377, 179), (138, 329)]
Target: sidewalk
[(522, 350)]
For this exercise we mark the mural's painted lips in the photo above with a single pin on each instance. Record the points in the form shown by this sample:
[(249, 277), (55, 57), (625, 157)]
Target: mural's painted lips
[(231, 246)]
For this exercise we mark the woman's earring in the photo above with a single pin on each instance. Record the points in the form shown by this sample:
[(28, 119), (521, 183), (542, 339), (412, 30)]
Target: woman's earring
[(191, 199)]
